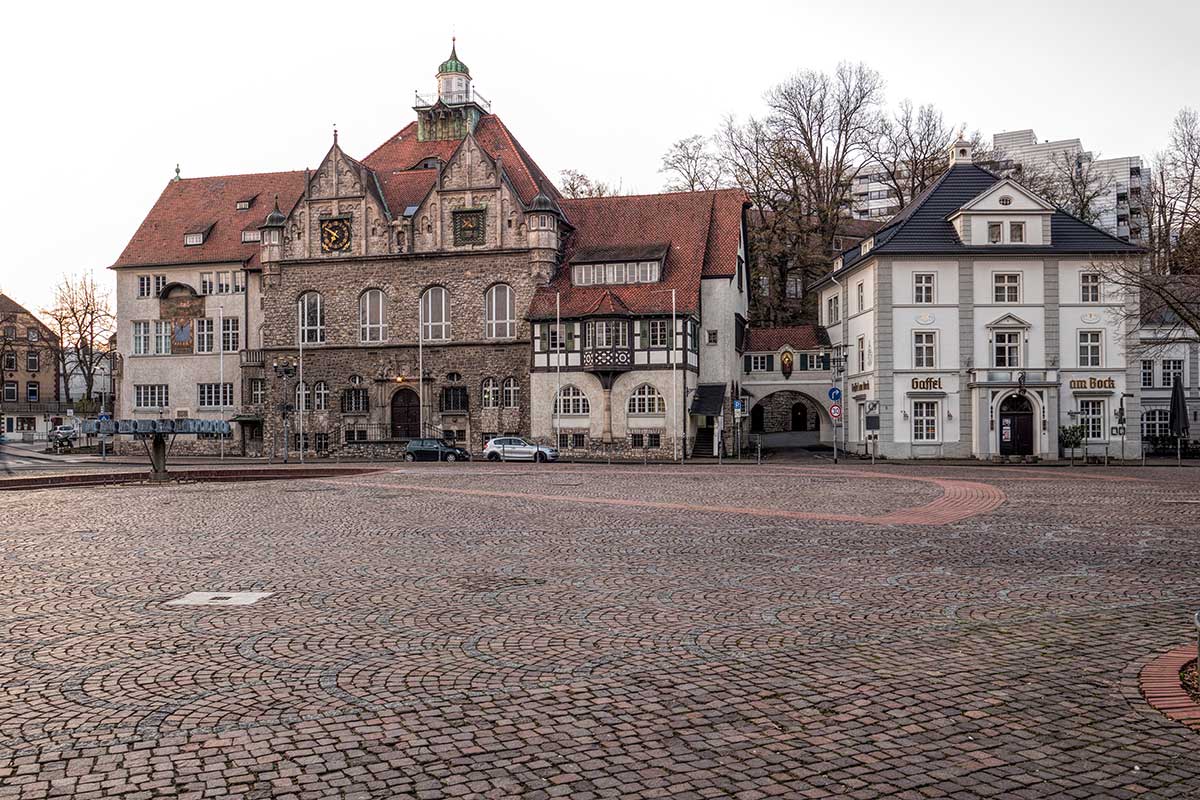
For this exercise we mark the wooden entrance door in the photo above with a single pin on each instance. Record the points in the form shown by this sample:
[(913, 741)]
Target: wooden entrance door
[(406, 414), (1016, 426)]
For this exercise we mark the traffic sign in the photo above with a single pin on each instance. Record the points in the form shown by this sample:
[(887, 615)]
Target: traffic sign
[(737, 405), (835, 394), (105, 416), (835, 411)]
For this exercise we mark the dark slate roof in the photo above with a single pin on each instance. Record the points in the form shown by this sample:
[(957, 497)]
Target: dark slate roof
[(923, 226), (708, 399)]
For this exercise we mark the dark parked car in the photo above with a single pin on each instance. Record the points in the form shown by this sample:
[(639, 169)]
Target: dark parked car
[(434, 450)]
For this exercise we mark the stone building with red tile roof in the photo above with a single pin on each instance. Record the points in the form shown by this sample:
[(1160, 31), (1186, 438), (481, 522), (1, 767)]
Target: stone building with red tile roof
[(398, 296), (30, 404)]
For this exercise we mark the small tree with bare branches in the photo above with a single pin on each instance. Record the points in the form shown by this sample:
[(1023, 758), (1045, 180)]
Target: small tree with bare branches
[(81, 317)]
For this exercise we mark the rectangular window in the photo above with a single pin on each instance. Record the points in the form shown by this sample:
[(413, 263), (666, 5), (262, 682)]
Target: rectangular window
[(794, 288), (160, 283), (251, 236), (33, 361), (1007, 349), (454, 398), (554, 338), (191, 239), (224, 282), (145, 285), (231, 334), (150, 395), (1148, 374), (258, 390), (1172, 371), (10, 391), (578, 440), (925, 420), (582, 274), (1089, 348), (33, 392), (1007, 287), (862, 297), (994, 232), (761, 363), (214, 395), (32, 334), (607, 334), (653, 440), (712, 336), (923, 287), (1016, 232), (1089, 287), (239, 281), (10, 361), (637, 440), (207, 285), (924, 350), (862, 353), (832, 310), (162, 337), (204, 336), (141, 338), (658, 333), (1091, 417)]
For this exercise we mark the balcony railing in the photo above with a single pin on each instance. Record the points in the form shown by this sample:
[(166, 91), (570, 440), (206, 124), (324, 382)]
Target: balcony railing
[(454, 99), (608, 359), (254, 358)]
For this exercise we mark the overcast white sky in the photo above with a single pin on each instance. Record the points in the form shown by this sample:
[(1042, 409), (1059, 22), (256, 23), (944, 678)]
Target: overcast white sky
[(102, 99)]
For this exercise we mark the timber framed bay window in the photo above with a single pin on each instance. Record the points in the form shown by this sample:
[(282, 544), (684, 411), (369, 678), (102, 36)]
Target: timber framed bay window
[(606, 334), (657, 333), (1006, 349), (925, 421), (310, 316), (435, 314), (1090, 348), (924, 349)]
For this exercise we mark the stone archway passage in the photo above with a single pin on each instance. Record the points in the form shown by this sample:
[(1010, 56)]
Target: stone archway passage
[(406, 414)]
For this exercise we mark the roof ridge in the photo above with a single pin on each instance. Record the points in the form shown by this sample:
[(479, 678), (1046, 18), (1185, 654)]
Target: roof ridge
[(236, 175)]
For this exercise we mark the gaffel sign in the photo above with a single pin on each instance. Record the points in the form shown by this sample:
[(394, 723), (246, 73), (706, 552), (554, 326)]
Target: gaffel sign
[(926, 383)]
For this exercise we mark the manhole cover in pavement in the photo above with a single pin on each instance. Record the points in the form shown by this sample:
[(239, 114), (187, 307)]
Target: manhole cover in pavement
[(218, 599)]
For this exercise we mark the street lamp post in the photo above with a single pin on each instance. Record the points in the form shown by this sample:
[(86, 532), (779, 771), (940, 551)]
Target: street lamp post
[(284, 368)]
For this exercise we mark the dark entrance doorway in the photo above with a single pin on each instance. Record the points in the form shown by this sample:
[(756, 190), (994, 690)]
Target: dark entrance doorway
[(1016, 426), (799, 417), (406, 414), (756, 419)]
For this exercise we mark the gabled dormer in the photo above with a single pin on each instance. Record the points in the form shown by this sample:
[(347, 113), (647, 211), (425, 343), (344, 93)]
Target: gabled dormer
[(1005, 214)]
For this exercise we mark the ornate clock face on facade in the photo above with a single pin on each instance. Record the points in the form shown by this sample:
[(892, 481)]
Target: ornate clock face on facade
[(469, 226), (335, 234)]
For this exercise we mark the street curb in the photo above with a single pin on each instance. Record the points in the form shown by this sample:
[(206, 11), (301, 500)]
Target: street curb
[(177, 476)]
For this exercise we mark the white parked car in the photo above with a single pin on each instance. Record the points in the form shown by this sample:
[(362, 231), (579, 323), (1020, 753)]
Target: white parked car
[(514, 448)]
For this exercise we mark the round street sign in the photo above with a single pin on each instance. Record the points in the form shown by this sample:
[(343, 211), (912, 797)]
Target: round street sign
[(835, 394), (835, 411)]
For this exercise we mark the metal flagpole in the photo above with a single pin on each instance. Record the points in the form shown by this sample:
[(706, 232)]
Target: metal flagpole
[(674, 379), (421, 365), (221, 367), (303, 402), (558, 335)]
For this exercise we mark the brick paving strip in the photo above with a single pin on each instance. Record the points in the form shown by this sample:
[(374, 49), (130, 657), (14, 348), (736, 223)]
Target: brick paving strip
[(1160, 685), (960, 500)]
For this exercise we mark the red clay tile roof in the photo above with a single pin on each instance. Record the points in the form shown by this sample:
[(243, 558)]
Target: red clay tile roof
[(404, 188), (701, 228), (798, 337), (196, 203)]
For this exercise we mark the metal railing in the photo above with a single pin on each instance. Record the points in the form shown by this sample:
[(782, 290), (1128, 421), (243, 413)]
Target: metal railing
[(254, 358), (453, 99)]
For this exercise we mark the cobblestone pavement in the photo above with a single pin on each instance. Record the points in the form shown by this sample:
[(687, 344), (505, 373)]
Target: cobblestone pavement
[(502, 631)]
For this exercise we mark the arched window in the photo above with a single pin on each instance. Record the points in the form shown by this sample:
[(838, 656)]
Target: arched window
[(1156, 422), (372, 317), (646, 400), (491, 393), (303, 397), (512, 393), (310, 313), (435, 314), (571, 401), (321, 395), (499, 315), (356, 399)]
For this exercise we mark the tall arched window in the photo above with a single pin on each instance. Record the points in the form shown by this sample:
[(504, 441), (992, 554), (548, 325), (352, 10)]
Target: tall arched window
[(499, 314), (310, 313), (571, 401), (491, 393), (372, 316), (646, 400), (321, 395), (512, 393), (303, 398), (435, 314)]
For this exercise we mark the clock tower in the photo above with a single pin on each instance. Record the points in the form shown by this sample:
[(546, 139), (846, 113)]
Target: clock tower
[(455, 109)]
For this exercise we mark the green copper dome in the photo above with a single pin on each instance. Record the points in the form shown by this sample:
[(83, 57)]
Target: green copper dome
[(452, 64)]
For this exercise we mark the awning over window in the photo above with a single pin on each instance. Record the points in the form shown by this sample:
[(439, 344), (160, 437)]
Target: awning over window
[(709, 399)]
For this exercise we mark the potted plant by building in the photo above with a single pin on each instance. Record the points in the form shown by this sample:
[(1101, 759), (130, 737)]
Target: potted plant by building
[(1070, 437)]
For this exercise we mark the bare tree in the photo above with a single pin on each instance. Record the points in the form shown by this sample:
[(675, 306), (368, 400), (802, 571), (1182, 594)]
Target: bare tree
[(691, 165), (82, 319), (910, 148), (1174, 198), (575, 184), (1071, 182)]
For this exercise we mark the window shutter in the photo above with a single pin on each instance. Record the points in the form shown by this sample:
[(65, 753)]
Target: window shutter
[(770, 363), (746, 364), (804, 361)]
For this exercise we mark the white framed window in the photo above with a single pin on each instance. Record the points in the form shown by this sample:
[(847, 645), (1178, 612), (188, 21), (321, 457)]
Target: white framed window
[(239, 281), (995, 232), (658, 332), (925, 421), (1091, 417), (192, 239), (1089, 287), (141, 338), (511, 393), (10, 361), (162, 337), (224, 283), (214, 395), (571, 401), (1147, 373), (310, 318), (160, 283), (435, 314), (1156, 422), (207, 284), (862, 353), (32, 334), (1172, 371), (1016, 232), (33, 392), (372, 316), (862, 296), (11, 388), (303, 399), (646, 400), (1006, 287), (33, 362), (145, 285), (923, 287), (321, 395), (833, 310), (555, 339), (924, 350), (151, 395), (500, 317), (491, 393), (231, 334), (204, 336), (711, 335), (1090, 345), (258, 390), (251, 235), (761, 363), (581, 274), (1006, 349)]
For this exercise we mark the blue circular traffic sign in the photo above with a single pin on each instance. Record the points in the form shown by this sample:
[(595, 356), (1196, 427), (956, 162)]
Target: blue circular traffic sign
[(835, 394)]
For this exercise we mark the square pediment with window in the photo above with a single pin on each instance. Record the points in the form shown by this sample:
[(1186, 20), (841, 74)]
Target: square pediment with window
[(470, 226)]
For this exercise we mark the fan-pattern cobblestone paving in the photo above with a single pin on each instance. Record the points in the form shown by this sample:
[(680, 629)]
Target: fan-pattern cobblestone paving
[(529, 631)]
